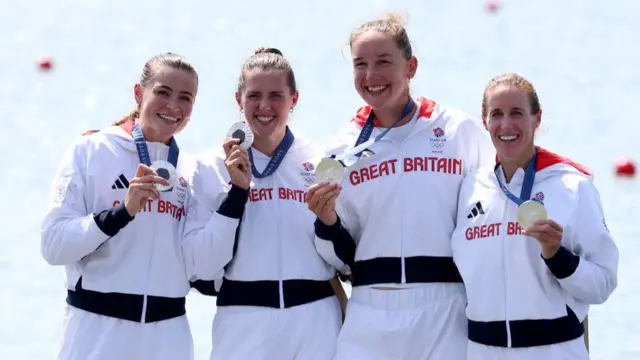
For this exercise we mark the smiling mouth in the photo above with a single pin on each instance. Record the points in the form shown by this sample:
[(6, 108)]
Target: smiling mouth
[(376, 89), (265, 119), (508, 137), (168, 118)]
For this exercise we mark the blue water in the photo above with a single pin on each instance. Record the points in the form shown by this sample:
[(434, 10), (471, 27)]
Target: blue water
[(579, 54)]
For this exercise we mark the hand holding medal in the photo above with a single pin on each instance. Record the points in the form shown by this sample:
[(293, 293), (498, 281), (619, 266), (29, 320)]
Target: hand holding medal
[(321, 200), (239, 139), (548, 233), (142, 188)]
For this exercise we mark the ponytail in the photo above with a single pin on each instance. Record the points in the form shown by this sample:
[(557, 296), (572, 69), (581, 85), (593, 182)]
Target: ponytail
[(134, 114)]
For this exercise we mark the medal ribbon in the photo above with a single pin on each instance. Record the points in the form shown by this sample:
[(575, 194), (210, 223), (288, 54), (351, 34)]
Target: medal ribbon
[(527, 183), (143, 151), (276, 159), (363, 142)]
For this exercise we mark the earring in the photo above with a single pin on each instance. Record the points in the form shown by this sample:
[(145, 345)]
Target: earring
[(241, 111), (291, 110)]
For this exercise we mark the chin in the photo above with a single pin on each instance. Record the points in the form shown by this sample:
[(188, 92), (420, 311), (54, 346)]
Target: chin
[(508, 154), (168, 130)]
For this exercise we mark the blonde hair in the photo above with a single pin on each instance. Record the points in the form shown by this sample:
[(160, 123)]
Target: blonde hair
[(268, 58), (391, 24)]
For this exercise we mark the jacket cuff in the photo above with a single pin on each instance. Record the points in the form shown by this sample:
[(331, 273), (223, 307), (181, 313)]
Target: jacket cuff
[(563, 264), (113, 220), (233, 205)]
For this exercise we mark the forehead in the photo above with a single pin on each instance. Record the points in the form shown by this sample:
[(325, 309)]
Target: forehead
[(373, 43), (176, 79), (265, 80), (507, 96)]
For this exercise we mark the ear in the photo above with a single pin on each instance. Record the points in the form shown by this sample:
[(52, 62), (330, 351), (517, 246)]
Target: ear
[(484, 122), (294, 98), (137, 94), (538, 119), (238, 98), (412, 67)]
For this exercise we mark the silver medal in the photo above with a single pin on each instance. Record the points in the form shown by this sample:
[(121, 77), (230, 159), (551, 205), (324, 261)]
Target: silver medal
[(529, 212), (330, 170), (242, 132), (165, 170)]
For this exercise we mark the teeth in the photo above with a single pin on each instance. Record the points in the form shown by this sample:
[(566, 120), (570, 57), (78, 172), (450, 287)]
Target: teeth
[(376, 88), (508, 137), (167, 117), (265, 118)]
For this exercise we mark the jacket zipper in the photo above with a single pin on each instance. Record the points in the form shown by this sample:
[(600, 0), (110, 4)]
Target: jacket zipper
[(505, 209), (153, 241), (280, 275)]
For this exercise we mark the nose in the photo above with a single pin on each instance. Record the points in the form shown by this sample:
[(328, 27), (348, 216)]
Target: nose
[(507, 122), (171, 105), (265, 104)]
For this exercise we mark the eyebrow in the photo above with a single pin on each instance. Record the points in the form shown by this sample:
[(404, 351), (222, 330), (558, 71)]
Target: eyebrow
[(170, 89), (379, 55), (270, 92)]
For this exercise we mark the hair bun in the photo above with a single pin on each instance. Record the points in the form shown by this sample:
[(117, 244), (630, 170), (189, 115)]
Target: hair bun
[(267, 50), (395, 18)]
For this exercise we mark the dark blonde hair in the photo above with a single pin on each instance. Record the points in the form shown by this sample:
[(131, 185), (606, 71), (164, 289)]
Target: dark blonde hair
[(149, 71), (391, 24), (516, 81), (267, 58)]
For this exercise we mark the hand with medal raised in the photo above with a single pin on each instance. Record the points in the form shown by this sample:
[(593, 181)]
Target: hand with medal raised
[(548, 233), (321, 200), (237, 163), (142, 188)]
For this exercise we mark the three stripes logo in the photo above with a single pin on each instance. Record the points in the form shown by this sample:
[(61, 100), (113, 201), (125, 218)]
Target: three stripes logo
[(475, 211), (120, 183)]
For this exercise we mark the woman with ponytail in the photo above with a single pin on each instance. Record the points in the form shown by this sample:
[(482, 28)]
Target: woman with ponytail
[(388, 224), (115, 220), (251, 228)]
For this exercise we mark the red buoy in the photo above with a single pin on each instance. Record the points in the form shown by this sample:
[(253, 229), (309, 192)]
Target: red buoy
[(625, 167), (45, 64), (492, 5)]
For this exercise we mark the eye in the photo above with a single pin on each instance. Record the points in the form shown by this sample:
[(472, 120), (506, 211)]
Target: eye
[(163, 92), (276, 96), (253, 97), (516, 113), (359, 65), (384, 62), (185, 98)]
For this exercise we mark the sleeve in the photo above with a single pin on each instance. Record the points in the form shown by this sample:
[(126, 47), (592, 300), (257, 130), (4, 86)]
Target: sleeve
[(212, 225), (482, 153), (335, 243), (69, 231), (586, 265)]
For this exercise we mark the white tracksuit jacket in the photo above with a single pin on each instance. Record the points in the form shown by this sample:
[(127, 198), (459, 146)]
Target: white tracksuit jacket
[(264, 234), (127, 269), (399, 206), (516, 298)]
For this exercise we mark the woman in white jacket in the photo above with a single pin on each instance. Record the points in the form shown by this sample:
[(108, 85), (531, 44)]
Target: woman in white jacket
[(531, 241), (391, 225), (115, 221), (249, 226)]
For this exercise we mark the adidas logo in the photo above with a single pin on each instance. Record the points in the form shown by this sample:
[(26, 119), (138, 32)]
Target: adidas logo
[(475, 211), (120, 183)]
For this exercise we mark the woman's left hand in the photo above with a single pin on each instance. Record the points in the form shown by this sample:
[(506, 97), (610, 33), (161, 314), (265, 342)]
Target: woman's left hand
[(548, 233)]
